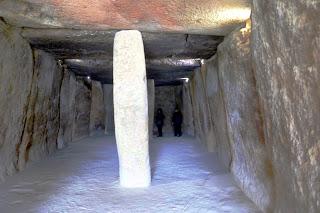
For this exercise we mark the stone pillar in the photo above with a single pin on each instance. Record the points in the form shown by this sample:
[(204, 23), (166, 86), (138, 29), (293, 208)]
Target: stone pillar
[(131, 109), (109, 112), (151, 99)]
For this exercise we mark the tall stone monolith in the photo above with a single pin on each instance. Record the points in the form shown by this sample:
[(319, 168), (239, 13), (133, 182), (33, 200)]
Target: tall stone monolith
[(131, 109)]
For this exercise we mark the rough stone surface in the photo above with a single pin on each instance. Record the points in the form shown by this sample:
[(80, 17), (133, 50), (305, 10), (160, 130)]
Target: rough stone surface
[(75, 109), (41, 126), (97, 114), (202, 117), (167, 98), (82, 108), (109, 108), (228, 118), (67, 112), (188, 125), (251, 165), (81, 44), (217, 110), (169, 56), (16, 69), (210, 17), (151, 102), (286, 55), (131, 109)]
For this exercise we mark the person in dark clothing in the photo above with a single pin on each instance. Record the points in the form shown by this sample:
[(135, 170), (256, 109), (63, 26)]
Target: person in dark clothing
[(159, 120), (177, 122)]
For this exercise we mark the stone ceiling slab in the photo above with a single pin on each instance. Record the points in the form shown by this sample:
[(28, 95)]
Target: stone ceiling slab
[(159, 69), (67, 43), (212, 17)]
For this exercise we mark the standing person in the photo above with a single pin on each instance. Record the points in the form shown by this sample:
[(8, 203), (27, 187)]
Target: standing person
[(159, 121), (177, 122)]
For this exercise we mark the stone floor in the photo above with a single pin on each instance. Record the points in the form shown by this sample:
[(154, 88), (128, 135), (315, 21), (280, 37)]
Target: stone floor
[(84, 178)]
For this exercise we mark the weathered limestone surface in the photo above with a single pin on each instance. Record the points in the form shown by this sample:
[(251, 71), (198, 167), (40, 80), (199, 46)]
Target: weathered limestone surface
[(250, 163), (202, 117), (75, 108), (151, 101), (286, 55), (82, 108), (228, 118), (35, 119), (67, 112), (217, 110), (41, 126), (16, 69), (109, 109), (167, 98), (97, 114), (131, 109), (209, 17), (187, 112)]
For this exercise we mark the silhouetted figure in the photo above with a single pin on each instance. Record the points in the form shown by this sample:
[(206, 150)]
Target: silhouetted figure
[(177, 122), (159, 121)]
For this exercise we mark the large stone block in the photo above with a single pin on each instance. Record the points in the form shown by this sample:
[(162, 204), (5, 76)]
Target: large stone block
[(188, 126), (131, 109), (217, 110), (109, 109), (97, 114), (286, 56), (251, 165), (82, 108), (75, 108), (67, 105), (41, 128), (202, 117), (16, 70)]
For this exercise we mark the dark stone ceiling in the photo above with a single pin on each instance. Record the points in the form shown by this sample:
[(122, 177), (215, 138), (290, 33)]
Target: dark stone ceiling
[(169, 56)]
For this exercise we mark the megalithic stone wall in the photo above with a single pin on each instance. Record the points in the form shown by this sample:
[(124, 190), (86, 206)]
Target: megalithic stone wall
[(16, 71), (286, 61)]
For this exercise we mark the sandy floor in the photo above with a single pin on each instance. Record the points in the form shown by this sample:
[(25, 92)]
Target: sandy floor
[(84, 178)]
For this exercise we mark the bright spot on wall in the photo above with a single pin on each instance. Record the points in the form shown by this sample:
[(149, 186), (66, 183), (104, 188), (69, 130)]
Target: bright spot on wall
[(185, 79)]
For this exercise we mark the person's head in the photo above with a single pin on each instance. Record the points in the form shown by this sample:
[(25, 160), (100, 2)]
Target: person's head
[(159, 111)]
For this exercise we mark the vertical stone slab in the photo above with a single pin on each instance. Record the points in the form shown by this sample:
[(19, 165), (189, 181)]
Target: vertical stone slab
[(97, 114), (82, 107), (151, 99), (201, 112), (131, 109), (286, 53), (251, 166), (67, 108), (109, 112), (40, 134), (188, 126), (16, 71)]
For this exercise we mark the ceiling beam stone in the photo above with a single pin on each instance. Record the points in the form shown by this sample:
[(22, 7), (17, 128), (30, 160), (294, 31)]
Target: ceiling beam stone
[(210, 17)]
